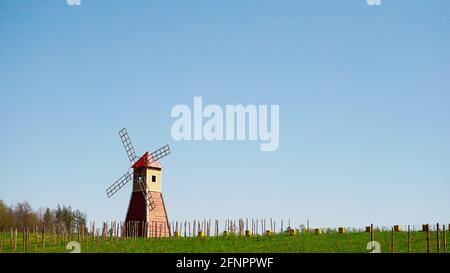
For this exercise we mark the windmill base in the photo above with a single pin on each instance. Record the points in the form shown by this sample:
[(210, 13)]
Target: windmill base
[(139, 223)]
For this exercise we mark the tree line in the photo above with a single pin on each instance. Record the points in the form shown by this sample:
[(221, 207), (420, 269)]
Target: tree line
[(22, 215)]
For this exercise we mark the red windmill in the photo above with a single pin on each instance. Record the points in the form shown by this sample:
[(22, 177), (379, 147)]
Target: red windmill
[(146, 212)]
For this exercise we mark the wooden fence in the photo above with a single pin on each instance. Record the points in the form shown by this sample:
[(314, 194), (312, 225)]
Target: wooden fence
[(39, 239)]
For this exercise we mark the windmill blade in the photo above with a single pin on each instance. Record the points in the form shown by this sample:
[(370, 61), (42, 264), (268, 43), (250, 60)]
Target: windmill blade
[(126, 141), (122, 181), (147, 195), (158, 154)]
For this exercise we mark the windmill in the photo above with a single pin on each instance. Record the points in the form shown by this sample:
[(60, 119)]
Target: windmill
[(146, 212)]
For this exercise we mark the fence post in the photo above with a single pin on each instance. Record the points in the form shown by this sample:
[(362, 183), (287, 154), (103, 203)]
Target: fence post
[(1, 241), (93, 231), (392, 240), (27, 240), (409, 239), (445, 238), (43, 239), (15, 239), (371, 233), (23, 240), (11, 238), (438, 241)]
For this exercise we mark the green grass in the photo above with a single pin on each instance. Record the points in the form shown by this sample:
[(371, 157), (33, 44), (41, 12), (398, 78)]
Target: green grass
[(354, 242)]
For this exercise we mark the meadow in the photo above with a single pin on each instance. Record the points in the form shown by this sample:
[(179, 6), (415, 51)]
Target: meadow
[(303, 242)]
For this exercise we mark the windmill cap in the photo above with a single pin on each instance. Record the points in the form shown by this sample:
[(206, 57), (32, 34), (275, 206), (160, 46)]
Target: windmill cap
[(146, 161)]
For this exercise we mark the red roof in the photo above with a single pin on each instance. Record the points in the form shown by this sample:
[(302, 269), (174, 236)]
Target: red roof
[(146, 161)]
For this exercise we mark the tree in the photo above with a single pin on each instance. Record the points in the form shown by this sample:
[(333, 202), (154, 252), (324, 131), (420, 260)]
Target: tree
[(6, 216), (24, 215), (68, 216), (65, 217), (58, 216), (47, 220), (79, 219)]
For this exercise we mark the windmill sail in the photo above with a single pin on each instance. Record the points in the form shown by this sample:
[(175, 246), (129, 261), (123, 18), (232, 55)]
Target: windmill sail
[(126, 141), (122, 181), (158, 154), (147, 195)]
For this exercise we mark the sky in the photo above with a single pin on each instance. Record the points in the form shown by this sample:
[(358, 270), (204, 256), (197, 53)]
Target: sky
[(363, 93)]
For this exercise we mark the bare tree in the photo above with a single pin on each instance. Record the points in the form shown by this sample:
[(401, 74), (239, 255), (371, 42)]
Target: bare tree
[(24, 215)]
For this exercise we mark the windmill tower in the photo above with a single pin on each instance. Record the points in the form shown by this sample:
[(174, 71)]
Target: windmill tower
[(146, 213)]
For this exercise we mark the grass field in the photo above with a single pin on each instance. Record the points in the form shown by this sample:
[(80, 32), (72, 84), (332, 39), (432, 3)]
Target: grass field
[(332, 242)]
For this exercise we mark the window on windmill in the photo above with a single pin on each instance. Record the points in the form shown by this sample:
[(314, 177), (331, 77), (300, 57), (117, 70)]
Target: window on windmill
[(153, 178)]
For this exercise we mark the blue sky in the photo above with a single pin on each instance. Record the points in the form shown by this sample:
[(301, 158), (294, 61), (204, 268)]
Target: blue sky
[(363, 93)]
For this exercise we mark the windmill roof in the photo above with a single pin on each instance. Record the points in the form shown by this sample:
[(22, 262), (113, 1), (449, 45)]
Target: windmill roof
[(146, 161)]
